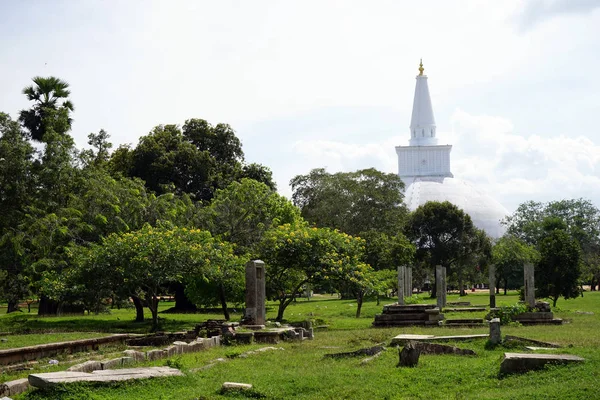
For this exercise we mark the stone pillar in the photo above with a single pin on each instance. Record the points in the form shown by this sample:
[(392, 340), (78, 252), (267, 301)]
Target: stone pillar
[(255, 293), (492, 276), (529, 285), (408, 282), (440, 286), (495, 335), (401, 284)]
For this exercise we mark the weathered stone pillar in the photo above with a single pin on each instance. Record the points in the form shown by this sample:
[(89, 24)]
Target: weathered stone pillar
[(255, 293), (401, 284), (408, 282), (529, 285), (440, 286), (492, 278), (495, 335)]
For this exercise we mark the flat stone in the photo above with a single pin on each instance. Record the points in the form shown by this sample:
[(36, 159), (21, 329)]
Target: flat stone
[(235, 386), (87, 366), (11, 388), (52, 378), (537, 342), (400, 339), (534, 348), (522, 362)]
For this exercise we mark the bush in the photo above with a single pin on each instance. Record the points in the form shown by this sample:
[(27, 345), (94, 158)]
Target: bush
[(507, 313)]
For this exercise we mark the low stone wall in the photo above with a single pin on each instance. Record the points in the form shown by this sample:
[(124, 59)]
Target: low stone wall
[(22, 354)]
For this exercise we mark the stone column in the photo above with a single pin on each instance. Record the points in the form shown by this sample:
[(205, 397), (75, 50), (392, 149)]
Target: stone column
[(495, 335), (408, 282), (401, 283), (492, 276), (440, 286), (255, 293), (529, 285)]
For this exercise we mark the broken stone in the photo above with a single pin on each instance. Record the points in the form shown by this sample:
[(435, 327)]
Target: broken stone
[(521, 362), (227, 386), (87, 366), (136, 355), (156, 354), (53, 378), (370, 351), (434, 348), (531, 341), (409, 355), (11, 388)]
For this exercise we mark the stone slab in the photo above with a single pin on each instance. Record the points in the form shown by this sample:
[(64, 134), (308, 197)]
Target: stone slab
[(400, 339), (136, 355), (464, 309), (523, 362), (52, 378), (236, 386), (535, 348), (11, 388)]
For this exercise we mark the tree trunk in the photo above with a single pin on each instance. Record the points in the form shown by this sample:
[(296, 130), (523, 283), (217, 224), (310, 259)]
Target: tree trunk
[(139, 309), (505, 286), (554, 300), (592, 285), (223, 302), (182, 303), (47, 306), (12, 306), (377, 298), (359, 302), (434, 284), (153, 306), (280, 311), (461, 284)]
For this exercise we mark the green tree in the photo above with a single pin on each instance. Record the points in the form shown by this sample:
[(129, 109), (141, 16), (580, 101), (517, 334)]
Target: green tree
[(352, 202), (145, 262), (16, 190), (439, 231), (296, 255), (558, 270), (51, 109), (241, 214), (509, 254)]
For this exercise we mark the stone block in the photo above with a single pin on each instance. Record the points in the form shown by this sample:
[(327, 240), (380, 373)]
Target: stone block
[(156, 354), (409, 355), (196, 345), (182, 347), (136, 355), (112, 364), (521, 362), (229, 386), (495, 335), (127, 361), (171, 351), (434, 348), (12, 388), (87, 366)]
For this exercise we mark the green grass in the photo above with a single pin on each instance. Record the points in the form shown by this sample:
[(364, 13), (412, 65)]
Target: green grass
[(301, 371)]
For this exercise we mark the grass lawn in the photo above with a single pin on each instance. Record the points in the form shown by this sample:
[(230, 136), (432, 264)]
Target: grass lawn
[(300, 370)]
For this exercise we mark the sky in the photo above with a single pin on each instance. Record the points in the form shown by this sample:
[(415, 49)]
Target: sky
[(515, 85)]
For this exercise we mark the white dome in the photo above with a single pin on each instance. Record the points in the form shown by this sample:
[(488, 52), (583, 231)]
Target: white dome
[(484, 210)]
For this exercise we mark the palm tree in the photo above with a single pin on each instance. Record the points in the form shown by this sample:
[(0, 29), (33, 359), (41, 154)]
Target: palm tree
[(47, 113)]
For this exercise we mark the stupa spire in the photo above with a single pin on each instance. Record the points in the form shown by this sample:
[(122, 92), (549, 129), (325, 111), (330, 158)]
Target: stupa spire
[(422, 123)]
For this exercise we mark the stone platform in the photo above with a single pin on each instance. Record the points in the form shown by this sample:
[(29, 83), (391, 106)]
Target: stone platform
[(538, 318), (409, 315)]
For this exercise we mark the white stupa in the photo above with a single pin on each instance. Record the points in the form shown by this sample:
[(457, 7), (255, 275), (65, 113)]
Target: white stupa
[(424, 167)]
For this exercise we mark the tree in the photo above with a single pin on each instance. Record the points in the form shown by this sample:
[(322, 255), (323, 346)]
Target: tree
[(51, 108), (509, 254), (241, 214), (558, 269), (197, 159), (145, 262), (16, 190), (100, 154), (296, 255), (474, 255), (582, 222), (352, 202), (439, 231)]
